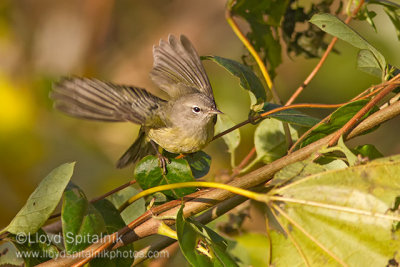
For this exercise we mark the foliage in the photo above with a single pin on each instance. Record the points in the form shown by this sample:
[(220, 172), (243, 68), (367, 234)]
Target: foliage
[(339, 206)]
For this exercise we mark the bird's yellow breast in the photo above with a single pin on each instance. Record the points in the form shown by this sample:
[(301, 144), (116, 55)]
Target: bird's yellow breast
[(176, 140)]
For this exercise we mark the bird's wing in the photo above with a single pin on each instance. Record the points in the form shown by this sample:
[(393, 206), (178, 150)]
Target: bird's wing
[(105, 101), (177, 68)]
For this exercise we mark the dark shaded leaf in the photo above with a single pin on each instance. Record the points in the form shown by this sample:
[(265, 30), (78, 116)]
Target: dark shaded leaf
[(199, 163), (369, 151), (37, 245), (248, 80), (338, 118), (122, 256), (291, 116), (82, 223), (200, 245)]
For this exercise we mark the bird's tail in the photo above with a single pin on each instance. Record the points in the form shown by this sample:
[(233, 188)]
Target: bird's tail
[(140, 148), (103, 101)]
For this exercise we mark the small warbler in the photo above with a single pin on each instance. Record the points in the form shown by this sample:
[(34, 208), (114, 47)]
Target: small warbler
[(182, 124)]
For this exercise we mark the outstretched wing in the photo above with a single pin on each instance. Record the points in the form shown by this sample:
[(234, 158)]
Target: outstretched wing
[(104, 101), (177, 68)]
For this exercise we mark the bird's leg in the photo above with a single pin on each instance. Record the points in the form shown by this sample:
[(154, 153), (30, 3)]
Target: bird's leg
[(161, 159)]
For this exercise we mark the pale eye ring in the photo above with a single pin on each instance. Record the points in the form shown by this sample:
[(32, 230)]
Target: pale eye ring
[(196, 109)]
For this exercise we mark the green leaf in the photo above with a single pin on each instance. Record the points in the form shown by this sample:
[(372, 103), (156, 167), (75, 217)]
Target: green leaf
[(369, 151), (338, 28), (200, 245), (82, 223), (248, 80), (148, 174), (291, 116), (338, 118), (270, 141), (199, 163), (10, 255), (351, 158), (231, 139), (252, 249), (112, 219), (122, 256), (367, 63), (42, 202), (350, 205), (134, 210), (36, 247)]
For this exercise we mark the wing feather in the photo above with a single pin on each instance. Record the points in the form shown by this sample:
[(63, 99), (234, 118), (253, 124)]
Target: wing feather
[(178, 69)]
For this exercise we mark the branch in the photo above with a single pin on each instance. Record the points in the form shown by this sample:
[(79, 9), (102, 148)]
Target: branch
[(205, 199)]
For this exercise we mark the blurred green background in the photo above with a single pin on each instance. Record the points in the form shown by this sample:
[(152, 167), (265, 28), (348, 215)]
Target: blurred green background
[(41, 40)]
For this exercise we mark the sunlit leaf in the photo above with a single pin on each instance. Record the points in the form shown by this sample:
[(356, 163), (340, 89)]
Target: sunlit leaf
[(347, 214), (9, 255), (42, 202), (338, 28), (231, 139), (252, 249), (134, 210), (270, 141), (368, 63)]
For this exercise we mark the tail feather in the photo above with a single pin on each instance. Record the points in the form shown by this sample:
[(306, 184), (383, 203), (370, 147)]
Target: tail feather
[(140, 148), (97, 100)]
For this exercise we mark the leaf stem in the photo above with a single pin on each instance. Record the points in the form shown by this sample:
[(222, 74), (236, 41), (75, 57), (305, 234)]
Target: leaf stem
[(233, 189), (250, 48)]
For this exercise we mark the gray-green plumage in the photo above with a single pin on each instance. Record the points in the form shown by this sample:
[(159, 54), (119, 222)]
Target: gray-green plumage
[(183, 124)]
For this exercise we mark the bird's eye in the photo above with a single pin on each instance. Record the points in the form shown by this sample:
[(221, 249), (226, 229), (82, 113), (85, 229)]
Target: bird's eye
[(196, 109)]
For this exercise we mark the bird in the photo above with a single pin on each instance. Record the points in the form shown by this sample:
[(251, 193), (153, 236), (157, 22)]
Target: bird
[(182, 124)]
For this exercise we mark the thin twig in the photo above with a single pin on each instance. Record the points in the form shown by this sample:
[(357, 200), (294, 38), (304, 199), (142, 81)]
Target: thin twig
[(267, 113), (356, 118), (373, 90), (323, 58)]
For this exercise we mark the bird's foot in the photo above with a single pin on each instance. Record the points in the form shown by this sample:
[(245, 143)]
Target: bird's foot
[(162, 161)]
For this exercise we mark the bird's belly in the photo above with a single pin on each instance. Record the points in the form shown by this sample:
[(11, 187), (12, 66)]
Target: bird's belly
[(176, 140)]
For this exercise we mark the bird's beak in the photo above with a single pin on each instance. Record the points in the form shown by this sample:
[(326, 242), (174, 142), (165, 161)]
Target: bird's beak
[(216, 111)]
